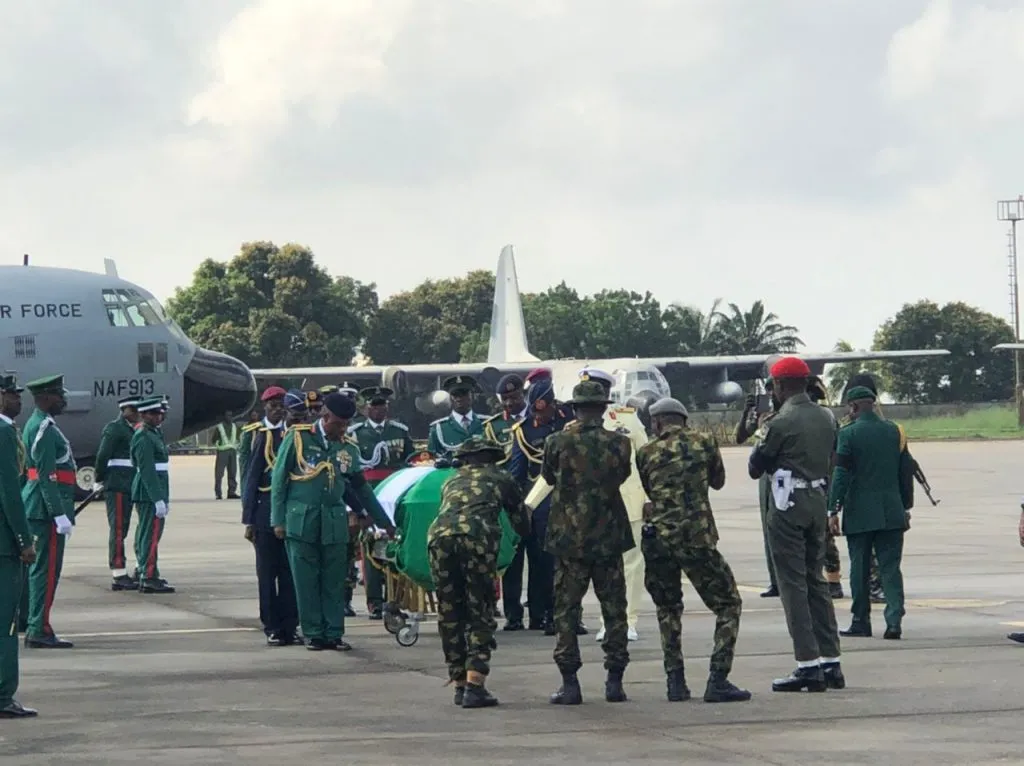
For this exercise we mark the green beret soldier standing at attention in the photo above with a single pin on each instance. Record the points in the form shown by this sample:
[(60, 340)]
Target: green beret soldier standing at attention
[(16, 549), (151, 493), (462, 544), (114, 474), (49, 496)]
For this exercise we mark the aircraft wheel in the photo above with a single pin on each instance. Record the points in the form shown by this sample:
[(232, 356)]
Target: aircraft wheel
[(407, 636), (85, 477)]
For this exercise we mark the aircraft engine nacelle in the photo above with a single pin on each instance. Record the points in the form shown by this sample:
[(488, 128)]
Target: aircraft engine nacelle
[(397, 380), (726, 392), (434, 404)]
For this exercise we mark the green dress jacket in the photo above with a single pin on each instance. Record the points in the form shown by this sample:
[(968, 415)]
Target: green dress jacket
[(50, 489)]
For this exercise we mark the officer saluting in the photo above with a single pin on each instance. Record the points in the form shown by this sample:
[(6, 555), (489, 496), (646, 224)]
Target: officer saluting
[(49, 496), (308, 512), (449, 432), (497, 428), (278, 610), (114, 474), (151, 493), (16, 549), (383, 445)]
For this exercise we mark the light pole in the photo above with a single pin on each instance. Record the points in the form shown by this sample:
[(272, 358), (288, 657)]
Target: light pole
[(1013, 211)]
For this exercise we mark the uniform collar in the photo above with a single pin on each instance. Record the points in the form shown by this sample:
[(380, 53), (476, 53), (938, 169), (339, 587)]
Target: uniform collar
[(796, 399), (376, 426), (6, 419), (273, 426), (461, 418)]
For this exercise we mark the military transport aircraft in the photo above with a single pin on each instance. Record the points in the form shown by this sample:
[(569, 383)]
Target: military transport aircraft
[(111, 339), (712, 379)]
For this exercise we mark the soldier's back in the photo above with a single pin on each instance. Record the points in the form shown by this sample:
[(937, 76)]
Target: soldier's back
[(807, 433), (471, 504), (677, 467)]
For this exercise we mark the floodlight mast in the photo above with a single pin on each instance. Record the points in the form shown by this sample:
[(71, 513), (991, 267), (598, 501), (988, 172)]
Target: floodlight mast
[(1013, 211)]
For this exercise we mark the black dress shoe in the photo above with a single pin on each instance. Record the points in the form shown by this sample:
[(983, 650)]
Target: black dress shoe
[(124, 582), (892, 634), (376, 613), (1018, 637), (857, 630), (834, 677), (581, 629), (835, 589), (234, 496), (349, 611), (274, 640), (338, 645), (47, 642), (316, 645), (811, 679), (15, 709), (535, 625), (772, 592), (877, 596), (155, 586), (291, 638), (549, 628), (513, 625)]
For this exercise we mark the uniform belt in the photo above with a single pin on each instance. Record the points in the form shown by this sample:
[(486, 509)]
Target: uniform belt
[(61, 477), (161, 466), (377, 474), (804, 484), (119, 462)]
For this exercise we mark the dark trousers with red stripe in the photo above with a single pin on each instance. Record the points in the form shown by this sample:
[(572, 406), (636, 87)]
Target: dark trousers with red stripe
[(119, 519), (43, 576), (147, 541)]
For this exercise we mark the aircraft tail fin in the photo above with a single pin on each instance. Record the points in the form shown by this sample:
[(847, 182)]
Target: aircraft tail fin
[(508, 343)]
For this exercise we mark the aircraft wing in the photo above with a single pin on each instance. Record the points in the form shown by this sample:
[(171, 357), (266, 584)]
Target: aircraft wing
[(1008, 347), (753, 365)]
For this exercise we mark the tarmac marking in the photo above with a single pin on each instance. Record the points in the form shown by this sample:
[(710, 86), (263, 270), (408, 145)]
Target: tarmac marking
[(196, 631), (955, 603)]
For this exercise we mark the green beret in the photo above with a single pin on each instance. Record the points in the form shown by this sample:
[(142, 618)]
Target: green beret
[(860, 392)]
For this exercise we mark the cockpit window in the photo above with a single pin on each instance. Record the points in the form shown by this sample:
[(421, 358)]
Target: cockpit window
[(127, 308)]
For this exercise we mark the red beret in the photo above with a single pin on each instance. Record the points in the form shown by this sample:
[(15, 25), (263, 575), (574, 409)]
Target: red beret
[(540, 372), (274, 392), (790, 367)]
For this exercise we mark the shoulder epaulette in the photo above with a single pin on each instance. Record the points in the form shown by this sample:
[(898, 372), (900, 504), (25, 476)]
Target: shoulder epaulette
[(517, 425), (356, 426), (302, 427), (625, 410), (440, 420), (493, 417), (251, 426), (397, 424), (351, 440)]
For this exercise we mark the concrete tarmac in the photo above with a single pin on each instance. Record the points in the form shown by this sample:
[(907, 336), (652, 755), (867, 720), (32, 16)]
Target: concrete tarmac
[(187, 679)]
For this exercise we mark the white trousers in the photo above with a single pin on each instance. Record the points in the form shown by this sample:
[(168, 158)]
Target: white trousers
[(633, 564)]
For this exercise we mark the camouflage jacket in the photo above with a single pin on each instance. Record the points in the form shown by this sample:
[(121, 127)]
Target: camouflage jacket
[(471, 504), (676, 469), (587, 465)]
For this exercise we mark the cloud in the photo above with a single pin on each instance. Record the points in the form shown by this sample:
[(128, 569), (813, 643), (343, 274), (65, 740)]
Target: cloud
[(702, 149)]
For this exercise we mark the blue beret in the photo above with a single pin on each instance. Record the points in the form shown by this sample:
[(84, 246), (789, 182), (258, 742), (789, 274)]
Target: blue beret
[(541, 389), (509, 383), (340, 406), (295, 400)]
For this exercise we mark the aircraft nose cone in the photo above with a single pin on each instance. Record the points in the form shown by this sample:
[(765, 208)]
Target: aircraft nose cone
[(215, 383)]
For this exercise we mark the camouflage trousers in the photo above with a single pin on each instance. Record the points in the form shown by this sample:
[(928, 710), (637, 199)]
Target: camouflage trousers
[(833, 567), (572, 580), (712, 578), (464, 570)]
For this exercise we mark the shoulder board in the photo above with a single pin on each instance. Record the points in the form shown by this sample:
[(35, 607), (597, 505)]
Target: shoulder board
[(356, 426), (396, 424), (302, 427), (351, 440), (625, 410), (517, 425), (251, 426), (493, 417), (439, 420)]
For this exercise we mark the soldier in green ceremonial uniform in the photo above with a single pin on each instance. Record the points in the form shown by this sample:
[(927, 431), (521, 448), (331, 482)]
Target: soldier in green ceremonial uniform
[(114, 474), (353, 550), (588, 531), (16, 548), (449, 432), (49, 496), (796, 451), (273, 419), (871, 485), (680, 535), (498, 428), (462, 544), (308, 500), (150, 493), (383, 446), (10, 408)]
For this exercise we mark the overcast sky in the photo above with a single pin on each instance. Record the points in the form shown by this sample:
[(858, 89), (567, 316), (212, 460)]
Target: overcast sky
[(835, 157)]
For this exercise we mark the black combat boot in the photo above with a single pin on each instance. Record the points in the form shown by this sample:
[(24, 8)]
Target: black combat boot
[(613, 691), (677, 690), (460, 694), (569, 693), (811, 679), (835, 589), (477, 696), (834, 677), (720, 689)]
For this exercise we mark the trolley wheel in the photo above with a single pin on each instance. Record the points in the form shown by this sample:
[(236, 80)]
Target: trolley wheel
[(407, 636), (393, 622)]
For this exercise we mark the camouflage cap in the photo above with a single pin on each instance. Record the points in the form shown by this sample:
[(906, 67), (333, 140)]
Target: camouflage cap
[(589, 392), (477, 444)]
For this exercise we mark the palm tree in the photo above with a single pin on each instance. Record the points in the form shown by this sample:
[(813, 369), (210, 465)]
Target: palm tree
[(692, 331), (836, 375), (754, 332)]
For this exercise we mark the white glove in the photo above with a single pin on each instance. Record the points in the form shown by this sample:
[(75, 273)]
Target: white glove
[(64, 525), (97, 487), (161, 509)]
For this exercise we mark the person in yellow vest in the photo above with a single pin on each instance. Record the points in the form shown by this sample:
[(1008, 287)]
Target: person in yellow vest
[(225, 441)]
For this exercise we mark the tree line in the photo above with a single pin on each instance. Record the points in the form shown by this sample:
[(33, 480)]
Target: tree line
[(275, 306)]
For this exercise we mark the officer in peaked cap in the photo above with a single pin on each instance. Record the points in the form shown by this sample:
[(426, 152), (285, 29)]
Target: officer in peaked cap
[(16, 545), (626, 420), (273, 418), (544, 416), (384, 445), (348, 390), (295, 407), (315, 404), (449, 432), (510, 393), (796, 451), (150, 493), (114, 475)]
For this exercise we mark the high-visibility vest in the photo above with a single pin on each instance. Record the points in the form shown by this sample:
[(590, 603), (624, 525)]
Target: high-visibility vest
[(225, 443)]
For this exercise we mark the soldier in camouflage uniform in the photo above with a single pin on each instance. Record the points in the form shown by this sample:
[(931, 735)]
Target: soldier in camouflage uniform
[(588, 531), (462, 544), (679, 535)]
